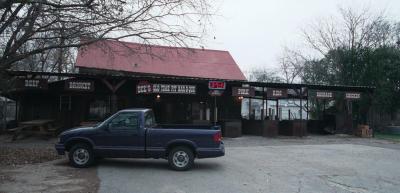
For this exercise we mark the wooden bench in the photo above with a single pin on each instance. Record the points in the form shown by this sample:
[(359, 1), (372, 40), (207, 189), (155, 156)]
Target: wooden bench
[(17, 131)]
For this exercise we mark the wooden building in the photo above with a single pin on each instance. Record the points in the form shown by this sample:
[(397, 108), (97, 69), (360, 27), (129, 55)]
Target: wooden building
[(110, 76), (181, 85)]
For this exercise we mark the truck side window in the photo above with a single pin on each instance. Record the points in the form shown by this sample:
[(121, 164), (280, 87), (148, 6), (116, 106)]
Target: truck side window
[(126, 121), (149, 120)]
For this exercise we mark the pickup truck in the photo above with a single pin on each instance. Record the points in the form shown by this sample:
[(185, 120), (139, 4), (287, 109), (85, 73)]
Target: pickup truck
[(133, 133)]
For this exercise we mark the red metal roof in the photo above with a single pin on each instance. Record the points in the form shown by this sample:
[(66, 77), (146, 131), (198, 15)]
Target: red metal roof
[(175, 61)]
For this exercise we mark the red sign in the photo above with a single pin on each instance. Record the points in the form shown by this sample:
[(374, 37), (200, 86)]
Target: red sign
[(216, 85)]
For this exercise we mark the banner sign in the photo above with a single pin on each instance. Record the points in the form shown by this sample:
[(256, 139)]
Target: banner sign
[(276, 93), (352, 95), (324, 94), (243, 91), (32, 83), (147, 88), (79, 85), (216, 85)]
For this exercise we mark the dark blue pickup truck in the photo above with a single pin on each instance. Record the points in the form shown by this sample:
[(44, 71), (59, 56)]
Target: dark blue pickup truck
[(133, 133)]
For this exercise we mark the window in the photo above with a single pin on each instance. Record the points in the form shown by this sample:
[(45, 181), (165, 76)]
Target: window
[(65, 102), (126, 121), (99, 109), (149, 120)]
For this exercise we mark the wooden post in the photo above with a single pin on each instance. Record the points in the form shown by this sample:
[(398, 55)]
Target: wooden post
[(3, 126), (266, 108), (113, 88), (301, 104), (307, 105), (249, 108), (301, 112), (262, 111), (215, 111), (277, 110), (16, 110)]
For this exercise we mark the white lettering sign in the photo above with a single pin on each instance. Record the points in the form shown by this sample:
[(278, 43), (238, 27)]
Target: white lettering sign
[(165, 88), (243, 91), (323, 94), (32, 83), (353, 95), (79, 85), (277, 93)]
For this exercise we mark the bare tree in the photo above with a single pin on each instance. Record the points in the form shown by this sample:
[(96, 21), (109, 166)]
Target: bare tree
[(351, 30), (30, 28), (265, 75), (291, 63)]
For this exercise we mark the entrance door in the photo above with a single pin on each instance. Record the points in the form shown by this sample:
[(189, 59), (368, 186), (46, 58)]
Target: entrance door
[(121, 137)]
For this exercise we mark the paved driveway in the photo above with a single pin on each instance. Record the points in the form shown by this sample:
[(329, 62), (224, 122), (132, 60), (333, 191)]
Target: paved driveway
[(317, 168)]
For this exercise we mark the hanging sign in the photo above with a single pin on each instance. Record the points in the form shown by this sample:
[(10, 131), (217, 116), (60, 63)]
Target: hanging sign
[(148, 88), (217, 85), (324, 94), (79, 85), (276, 93), (216, 92), (32, 83), (243, 91), (352, 95), (144, 87)]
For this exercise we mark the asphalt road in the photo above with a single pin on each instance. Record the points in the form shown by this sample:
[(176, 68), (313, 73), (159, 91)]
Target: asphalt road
[(342, 168)]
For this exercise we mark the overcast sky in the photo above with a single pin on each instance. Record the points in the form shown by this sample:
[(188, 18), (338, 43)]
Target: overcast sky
[(254, 31)]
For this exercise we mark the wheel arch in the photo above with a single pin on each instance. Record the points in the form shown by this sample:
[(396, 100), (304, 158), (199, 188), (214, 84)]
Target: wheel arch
[(71, 142), (181, 143)]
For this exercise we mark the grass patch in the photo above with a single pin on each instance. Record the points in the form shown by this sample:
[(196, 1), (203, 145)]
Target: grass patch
[(392, 137)]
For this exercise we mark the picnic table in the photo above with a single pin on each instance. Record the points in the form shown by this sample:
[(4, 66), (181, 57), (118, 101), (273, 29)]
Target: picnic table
[(40, 126)]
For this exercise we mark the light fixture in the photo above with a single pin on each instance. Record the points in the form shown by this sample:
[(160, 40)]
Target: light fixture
[(158, 96), (240, 98)]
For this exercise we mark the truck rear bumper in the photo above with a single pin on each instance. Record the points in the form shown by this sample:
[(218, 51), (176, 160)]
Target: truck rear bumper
[(60, 149), (211, 152)]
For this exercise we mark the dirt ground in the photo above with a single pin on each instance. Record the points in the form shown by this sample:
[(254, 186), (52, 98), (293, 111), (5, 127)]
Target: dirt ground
[(32, 165), (53, 176)]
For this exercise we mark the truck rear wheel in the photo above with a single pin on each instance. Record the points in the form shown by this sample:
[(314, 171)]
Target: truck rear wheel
[(81, 156), (181, 158)]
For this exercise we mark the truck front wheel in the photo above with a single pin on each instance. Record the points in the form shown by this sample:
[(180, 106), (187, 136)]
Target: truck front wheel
[(81, 155), (181, 158)]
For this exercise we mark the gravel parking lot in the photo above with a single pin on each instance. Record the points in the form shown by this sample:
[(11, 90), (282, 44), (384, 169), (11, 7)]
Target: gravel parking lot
[(277, 165), (341, 164)]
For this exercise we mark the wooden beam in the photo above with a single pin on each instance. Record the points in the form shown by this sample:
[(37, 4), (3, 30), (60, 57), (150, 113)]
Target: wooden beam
[(112, 87)]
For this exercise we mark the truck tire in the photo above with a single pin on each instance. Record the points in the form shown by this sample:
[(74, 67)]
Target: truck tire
[(181, 158), (81, 155)]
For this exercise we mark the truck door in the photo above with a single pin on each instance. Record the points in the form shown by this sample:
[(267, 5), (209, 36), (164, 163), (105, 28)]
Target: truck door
[(122, 138)]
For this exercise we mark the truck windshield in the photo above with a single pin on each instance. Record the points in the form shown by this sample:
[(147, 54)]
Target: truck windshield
[(149, 120)]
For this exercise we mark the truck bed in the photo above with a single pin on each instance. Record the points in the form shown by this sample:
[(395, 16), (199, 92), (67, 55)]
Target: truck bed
[(188, 126), (158, 140)]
